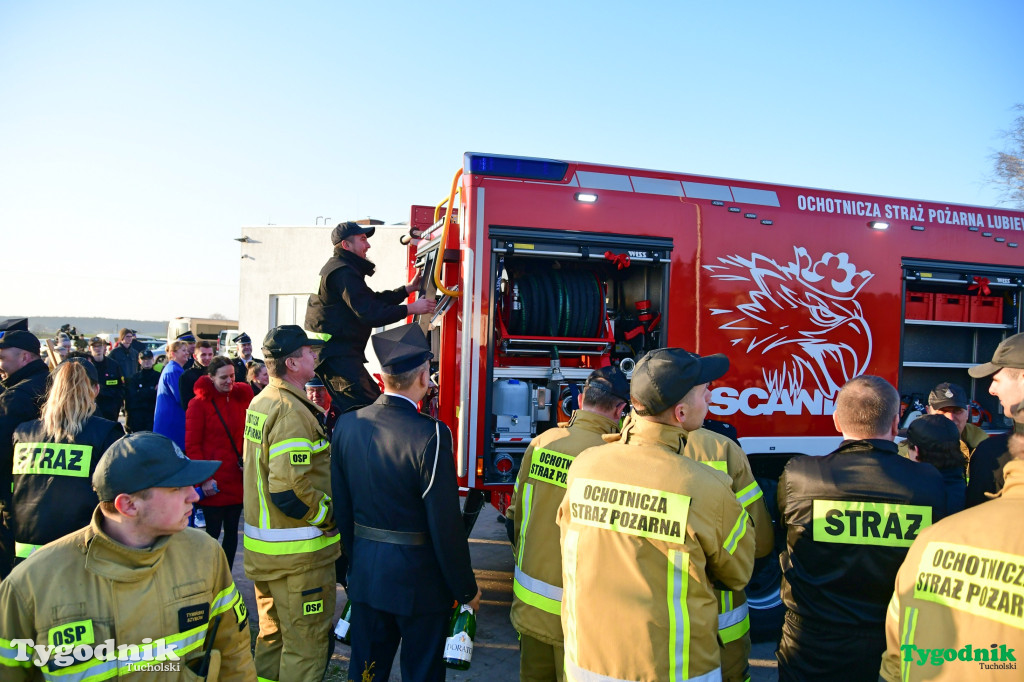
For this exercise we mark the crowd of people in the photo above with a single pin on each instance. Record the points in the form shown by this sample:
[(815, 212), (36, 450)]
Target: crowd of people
[(635, 527)]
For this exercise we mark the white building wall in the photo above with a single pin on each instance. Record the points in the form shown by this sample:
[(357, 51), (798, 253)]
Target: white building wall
[(280, 269)]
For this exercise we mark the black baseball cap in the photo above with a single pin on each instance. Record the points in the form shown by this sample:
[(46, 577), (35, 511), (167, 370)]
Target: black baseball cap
[(1009, 353), (930, 431), (611, 380), (401, 349), (286, 339), (350, 229), (146, 354), (88, 366), (21, 339), (665, 375), (97, 341), (12, 323), (146, 460), (946, 395)]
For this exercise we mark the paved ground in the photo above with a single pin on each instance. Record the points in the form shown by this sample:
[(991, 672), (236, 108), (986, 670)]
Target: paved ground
[(496, 651)]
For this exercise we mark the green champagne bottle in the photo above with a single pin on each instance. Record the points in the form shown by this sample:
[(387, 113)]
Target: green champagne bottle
[(341, 629), (458, 648)]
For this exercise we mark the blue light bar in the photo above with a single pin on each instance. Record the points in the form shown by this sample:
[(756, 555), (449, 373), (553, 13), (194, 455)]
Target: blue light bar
[(520, 167)]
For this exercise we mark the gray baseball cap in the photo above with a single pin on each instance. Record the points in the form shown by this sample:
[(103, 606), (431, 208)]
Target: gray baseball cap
[(146, 460), (1009, 353)]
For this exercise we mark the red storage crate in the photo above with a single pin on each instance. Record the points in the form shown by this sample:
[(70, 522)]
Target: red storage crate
[(920, 305), (951, 307), (988, 309)]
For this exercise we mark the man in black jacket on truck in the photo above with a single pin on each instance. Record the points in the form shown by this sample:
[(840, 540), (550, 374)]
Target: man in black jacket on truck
[(344, 311)]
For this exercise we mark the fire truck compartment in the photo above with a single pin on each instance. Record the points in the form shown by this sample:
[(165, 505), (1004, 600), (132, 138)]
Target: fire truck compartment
[(565, 303)]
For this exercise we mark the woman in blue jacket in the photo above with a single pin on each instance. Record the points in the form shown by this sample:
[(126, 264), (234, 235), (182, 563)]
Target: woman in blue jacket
[(169, 418)]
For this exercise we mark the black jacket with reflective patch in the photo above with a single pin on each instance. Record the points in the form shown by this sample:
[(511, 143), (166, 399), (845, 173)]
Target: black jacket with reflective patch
[(348, 310), (850, 518), (20, 401), (53, 493)]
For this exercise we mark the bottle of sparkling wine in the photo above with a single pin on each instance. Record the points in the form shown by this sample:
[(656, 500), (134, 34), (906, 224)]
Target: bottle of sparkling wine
[(458, 648), (341, 629)]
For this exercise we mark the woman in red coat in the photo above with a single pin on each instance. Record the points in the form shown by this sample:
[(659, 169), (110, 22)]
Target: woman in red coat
[(213, 430)]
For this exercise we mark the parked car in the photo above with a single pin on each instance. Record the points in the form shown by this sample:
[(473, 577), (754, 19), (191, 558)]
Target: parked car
[(226, 342)]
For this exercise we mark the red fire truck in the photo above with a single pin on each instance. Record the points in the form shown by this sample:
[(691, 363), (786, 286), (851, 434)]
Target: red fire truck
[(548, 269)]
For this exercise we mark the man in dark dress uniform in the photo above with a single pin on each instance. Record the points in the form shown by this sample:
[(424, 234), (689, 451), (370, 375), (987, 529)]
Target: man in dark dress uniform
[(344, 311), (318, 394), (396, 503), (190, 339), (243, 344)]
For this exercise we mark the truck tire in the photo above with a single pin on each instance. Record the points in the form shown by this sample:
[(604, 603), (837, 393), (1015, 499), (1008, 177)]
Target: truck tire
[(763, 598)]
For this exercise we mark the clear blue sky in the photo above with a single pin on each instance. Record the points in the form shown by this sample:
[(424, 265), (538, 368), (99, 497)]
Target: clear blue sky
[(136, 138)]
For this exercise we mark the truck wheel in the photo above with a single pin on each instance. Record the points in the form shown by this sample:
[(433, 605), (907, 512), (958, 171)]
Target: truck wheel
[(763, 598), (766, 607), (471, 508)]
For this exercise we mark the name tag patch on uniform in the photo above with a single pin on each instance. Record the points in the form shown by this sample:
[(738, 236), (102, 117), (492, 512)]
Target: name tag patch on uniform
[(241, 612), (550, 466), (52, 459), (310, 608), (644, 512), (718, 465), (112, 382), (254, 422), (869, 523), (193, 616), (72, 634), (300, 457), (981, 582)]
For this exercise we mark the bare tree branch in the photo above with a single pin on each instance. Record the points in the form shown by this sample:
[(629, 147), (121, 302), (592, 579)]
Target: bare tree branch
[(1008, 165)]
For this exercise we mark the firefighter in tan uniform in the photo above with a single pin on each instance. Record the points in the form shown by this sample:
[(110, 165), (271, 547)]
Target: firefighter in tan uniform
[(957, 612), (646, 533), (290, 538), (134, 596), (540, 487), (723, 454)]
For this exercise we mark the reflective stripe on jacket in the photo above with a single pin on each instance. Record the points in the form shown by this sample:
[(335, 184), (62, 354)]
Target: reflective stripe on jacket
[(961, 589), (540, 487), (52, 491), (850, 517), (645, 532), (724, 455), (286, 452)]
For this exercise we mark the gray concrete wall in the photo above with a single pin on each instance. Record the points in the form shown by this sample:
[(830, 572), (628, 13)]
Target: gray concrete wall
[(283, 262)]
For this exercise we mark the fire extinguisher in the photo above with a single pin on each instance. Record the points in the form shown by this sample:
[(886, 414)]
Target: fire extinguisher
[(978, 414)]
